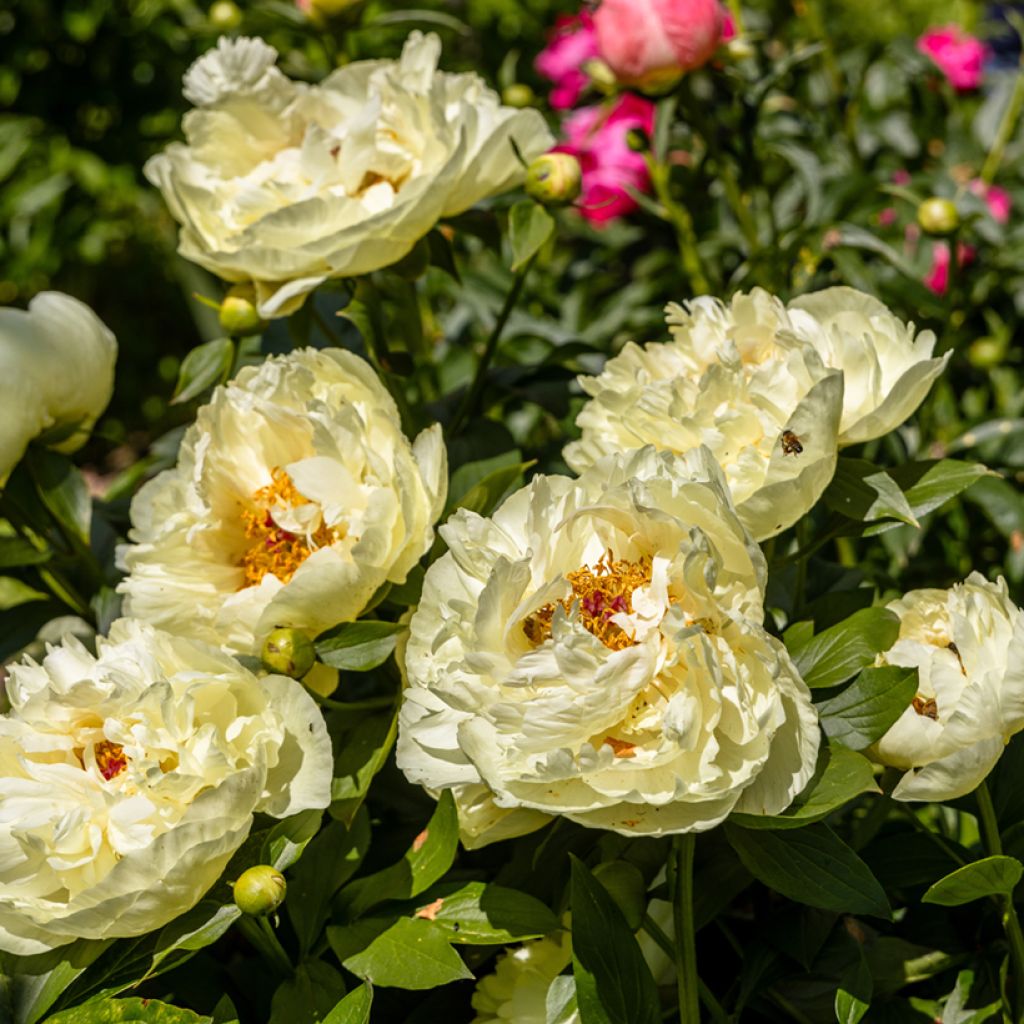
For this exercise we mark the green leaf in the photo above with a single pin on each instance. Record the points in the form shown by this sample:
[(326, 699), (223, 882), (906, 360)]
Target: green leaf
[(354, 1008), (486, 915), (361, 756), (860, 490), (196, 929), (840, 652), (13, 593), (358, 646), (429, 857), (309, 996), (205, 366), (492, 479), (327, 864), (841, 775), (127, 1011), (288, 838), (411, 954), (929, 485), (853, 998), (15, 551), (868, 707), (530, 226), (63, 491), (993, 876), (811, 865), (613, 982)]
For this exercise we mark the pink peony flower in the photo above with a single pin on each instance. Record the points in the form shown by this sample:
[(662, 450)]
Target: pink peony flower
[(937, 279), (572, 44), (597, 137), (996, 199), (959, 55), (650, 41)]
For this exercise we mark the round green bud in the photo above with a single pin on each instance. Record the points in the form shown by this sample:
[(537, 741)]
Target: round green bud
[(986, 353), (414, 264), (518, 95), (238, 315), (260, 890), (288, 652), (554, 179), (938, 216), (626, 886), (225, 16), (601, 75)]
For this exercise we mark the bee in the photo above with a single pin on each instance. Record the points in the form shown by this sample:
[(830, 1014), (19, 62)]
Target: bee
[(926, 707), (791, 444)]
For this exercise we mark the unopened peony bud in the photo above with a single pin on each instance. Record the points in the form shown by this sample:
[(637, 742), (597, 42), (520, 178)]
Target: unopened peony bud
[(986, 353), (260, 890), (238, 314), (518, 95), (225, 16), (554, 179), (601, 76), (626, 886), (938, 216), (288, 652)]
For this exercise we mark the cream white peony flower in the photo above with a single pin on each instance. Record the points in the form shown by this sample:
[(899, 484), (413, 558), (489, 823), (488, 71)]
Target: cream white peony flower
[(517, 990), (296, 496), (56, 375), (127, 781), (286, 184), (735, 379), (967, 644), (888, 371), (595, 650)]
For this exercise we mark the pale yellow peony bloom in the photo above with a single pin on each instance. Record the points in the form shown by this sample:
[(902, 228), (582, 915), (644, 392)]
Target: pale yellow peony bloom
[(733, 378), (967, 644), (286, 184), (596, 650), (56, 375), (128, 779), (516, 991), (295, 498)]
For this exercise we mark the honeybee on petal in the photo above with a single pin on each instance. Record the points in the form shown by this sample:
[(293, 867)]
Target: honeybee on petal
[(791, 444)]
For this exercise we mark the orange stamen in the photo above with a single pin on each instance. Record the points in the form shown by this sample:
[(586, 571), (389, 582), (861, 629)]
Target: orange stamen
[(110, 759)]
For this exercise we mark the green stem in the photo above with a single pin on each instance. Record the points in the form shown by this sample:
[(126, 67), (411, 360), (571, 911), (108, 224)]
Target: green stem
[(679, 217), (472, 397), (686, 938), (667, 946), (1011, 922), (370, 704), (261, 935), (1006, 130)]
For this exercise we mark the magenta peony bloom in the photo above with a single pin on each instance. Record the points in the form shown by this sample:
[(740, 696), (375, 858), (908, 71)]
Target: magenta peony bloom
[(937, 279), (996, 199), (573, 43), (650, 41), (959, 55), (597, 137)]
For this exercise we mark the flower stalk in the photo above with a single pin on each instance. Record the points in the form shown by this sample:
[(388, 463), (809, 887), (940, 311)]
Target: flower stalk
[(681, 881)]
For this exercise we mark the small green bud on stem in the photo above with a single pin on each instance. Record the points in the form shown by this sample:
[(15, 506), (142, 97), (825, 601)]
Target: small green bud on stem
[(938, 216), (260, 890), (238, 314), (288, 652), (554, 179)]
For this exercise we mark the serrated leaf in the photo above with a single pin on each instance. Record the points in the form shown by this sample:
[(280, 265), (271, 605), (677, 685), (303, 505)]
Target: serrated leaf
[(530, 226), (358, 646), (861, 491), (411, 954), (869, 706), (993, 876), (613, 982), (204, 367), (429, 857), (811, 865), (840, 652)]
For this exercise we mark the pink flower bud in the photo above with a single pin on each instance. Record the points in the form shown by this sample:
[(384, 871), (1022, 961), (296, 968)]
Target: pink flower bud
[(648, 42), (959, 55)]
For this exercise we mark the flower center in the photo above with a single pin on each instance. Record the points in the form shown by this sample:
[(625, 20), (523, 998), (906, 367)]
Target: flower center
[(276, 550), (601, 592), (110, 759)]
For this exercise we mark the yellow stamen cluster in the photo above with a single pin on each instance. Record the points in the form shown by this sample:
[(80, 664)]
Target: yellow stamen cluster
[(111, 759), (601, 592), (274, 550)]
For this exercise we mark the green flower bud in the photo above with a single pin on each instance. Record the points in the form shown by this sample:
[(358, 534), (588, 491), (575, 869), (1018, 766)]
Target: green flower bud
[(238, 315), (260, 890), (938, 216), (554, 179), (225, 16), (986, 353), (288, 652), (601, 76), (626, 886), (414, 264), (518, 95)]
